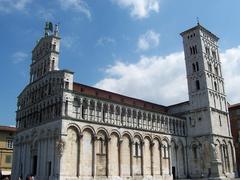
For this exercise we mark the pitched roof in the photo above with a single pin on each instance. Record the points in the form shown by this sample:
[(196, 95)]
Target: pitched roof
[(117, 98), (7, 128)]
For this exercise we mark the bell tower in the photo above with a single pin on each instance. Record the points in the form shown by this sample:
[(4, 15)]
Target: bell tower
[(45, 55), (208, 112)]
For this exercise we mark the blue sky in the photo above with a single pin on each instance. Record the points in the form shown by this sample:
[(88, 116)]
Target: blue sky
[(131, 47)]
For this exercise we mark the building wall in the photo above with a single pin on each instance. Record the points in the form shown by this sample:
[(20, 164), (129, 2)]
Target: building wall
[(234, 114), (110, 152), (6, 148)]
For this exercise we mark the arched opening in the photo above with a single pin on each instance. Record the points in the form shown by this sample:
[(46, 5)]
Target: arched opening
[(137, 156), (101, 154), (147, 157), (87, 149), (125, 156), (156, 148), (165, 158), (71, 165), (194, 67), (197, 85), (114, 156)]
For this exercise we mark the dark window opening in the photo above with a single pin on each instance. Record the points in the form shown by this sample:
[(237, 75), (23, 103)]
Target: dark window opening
[(194, 67), (164, 151), (220, 121), (195, 152), (101, 148), (191, 51), (136, 149), (66, 85), (195, 47), (197, 85), (66, 107), (216, 70), (54, 47), (49, 168), (52, 65), (207, 50), (34, 167), (197, 66), (214, 54), (215, 86), (210, 67)]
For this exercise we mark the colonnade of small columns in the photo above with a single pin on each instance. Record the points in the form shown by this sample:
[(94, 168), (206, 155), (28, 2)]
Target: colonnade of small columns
[(90, 109)]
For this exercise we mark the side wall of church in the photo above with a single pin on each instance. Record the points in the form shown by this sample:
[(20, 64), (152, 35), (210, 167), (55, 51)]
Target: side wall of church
[(98, 151)]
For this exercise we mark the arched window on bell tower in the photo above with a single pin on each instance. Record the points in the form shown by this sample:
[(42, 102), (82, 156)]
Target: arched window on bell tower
[(215, 86), (53, 64), (194, 67), (197, 85), (197, 66)]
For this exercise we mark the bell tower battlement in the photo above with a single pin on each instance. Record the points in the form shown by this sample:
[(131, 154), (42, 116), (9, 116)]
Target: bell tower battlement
[(45, 55)]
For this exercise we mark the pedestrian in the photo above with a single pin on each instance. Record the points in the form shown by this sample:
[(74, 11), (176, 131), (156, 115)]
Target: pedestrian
[(29, 177)]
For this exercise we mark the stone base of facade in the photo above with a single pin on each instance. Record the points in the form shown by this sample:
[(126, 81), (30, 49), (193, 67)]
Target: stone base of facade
[(164, 177)]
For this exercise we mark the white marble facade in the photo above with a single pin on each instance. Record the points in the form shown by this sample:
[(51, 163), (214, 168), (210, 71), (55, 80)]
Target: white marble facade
[(65, 131)]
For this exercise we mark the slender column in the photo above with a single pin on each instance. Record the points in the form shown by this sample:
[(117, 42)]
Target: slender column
[(151, 153), (142, 171), (88, 110), (131, 158), (79, 154), (114, 116), (119, 156), (107, 158), (81, 109), (143, 161), (176, 127), (169, 159), (94, 138), (222, 158), (167, 125), (176, 150), (160, 151)]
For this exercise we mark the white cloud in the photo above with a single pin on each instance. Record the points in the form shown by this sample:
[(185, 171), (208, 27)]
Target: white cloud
[(139, 8), (163, 79), (148, 40), (19, 57), (77, 5), (158, 79), (231, 73), (8, 6), (105, 40)]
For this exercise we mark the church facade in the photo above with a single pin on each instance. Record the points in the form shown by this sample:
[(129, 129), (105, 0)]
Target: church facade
[(70, 131)]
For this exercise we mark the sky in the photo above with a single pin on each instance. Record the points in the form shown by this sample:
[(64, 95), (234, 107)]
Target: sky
[(132, 47)]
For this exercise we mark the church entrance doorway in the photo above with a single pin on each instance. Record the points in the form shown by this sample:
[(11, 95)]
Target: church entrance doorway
[(34, 165), (174, 172)]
